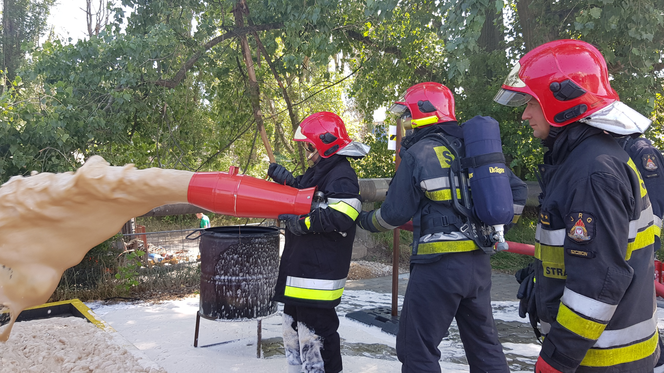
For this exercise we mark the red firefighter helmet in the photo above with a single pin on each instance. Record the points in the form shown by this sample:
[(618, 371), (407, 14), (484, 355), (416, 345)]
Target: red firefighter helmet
[(325, 131), (428, 103), (568, 78)]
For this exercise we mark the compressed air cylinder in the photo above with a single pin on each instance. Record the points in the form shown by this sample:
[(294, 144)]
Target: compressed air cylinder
[(489, 183)]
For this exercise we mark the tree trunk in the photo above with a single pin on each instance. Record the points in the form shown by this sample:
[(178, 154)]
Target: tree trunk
[(254, 90), (528, 23), (11, 38), (540, 22), (491, 35)]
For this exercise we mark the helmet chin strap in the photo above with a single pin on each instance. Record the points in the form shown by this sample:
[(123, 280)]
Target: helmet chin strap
[(312, 160)]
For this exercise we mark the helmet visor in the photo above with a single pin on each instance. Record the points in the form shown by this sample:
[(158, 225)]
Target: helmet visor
[(512, 98), (398, 108)]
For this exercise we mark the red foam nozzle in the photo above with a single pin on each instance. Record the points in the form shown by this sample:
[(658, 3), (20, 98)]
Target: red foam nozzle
[(246, 196)]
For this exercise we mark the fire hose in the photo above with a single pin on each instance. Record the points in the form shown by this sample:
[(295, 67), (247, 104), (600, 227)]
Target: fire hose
[(525, 249)]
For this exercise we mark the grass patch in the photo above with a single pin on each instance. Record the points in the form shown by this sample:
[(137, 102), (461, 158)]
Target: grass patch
[(509, 262), (523, 231)]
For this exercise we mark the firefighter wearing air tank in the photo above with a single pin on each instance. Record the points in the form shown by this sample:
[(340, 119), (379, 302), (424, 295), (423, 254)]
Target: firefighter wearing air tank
[(593, 277), (450, 270), (650, 163), (318, 248)]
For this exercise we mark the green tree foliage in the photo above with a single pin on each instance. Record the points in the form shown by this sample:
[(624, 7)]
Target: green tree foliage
[(170, 89), (380, 163), (470, 46)]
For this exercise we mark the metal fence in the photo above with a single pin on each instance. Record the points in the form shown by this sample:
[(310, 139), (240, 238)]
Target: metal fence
[(164, 247), (172, 247)]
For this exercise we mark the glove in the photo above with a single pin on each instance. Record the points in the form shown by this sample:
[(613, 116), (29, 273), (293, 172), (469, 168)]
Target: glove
[(293, 223), (526, 294), (364, 221), (525, 276), (280, 174), (543, 367)]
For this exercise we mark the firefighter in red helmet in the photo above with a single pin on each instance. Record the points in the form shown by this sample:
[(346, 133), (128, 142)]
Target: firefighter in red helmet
[(450, 274), (316, 257), (593, 274)]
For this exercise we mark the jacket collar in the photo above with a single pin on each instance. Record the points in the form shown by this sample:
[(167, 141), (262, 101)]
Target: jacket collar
[(449, 128), (567, 139), (314, 175)]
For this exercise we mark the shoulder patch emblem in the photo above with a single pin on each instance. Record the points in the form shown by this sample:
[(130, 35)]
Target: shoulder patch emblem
[(649, 162), (580, 227)]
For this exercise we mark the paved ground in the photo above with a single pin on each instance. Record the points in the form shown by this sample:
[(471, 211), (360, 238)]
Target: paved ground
[(503, 288)]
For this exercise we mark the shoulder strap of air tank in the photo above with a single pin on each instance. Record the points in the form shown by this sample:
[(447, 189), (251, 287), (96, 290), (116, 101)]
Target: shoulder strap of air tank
[(455, 145)]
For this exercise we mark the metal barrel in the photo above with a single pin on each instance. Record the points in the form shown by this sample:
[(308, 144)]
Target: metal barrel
[(239, 268)]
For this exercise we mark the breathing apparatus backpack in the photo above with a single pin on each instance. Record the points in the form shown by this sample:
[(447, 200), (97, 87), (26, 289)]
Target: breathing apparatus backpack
[(650, 163), (479, 167)]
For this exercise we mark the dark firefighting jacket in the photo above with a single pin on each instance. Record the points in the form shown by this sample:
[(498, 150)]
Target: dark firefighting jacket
[(421, 190), (650, 163), (314, 266), (594, 272)]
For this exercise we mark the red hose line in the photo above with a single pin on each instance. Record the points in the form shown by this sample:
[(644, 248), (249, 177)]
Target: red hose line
[(659, 289), (521, 248), (525, 249)]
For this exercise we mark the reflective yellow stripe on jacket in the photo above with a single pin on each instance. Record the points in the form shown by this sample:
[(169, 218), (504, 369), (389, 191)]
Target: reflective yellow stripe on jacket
[(518, 210), (588, 318), (440, 247), (439, 189), (622, 346), (549, 249), (350, 207), (641, 232), (380, 223), (658, 226), (621, 355), (347, 206), (314, 289)]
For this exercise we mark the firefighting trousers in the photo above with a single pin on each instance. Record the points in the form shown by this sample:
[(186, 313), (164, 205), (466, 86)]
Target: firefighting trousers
[(311, 341), (457, 286)]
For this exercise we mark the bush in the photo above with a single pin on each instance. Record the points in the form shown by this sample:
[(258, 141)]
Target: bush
[(105, 272)]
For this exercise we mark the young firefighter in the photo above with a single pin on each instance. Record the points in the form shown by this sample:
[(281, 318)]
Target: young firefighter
[(593, 277), (317, 253), (450, 275)]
